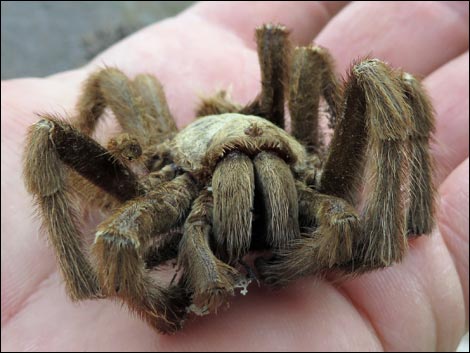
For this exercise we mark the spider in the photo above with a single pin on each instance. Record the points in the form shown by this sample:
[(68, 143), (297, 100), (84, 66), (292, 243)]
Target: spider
[(234, 181)]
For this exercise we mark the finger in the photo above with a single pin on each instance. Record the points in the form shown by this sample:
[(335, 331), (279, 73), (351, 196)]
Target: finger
[(453, 222), (304, 18), (449, 94), (418, 304), (28, 261), (48, 322), (418, 36), (301, 318), (306, 316), (415, 305)]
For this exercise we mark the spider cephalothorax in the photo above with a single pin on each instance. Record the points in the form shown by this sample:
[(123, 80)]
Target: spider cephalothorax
[(234, 181)]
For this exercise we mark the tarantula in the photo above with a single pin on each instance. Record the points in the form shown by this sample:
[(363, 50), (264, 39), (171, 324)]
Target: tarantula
[(234, 181)]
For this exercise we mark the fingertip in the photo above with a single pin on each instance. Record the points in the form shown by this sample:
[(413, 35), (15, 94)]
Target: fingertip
[(460, 8), (304, 18), (449, 95), (417, 36)]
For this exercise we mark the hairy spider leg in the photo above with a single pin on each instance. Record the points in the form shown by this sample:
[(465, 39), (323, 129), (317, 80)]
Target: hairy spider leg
[(164, 250), (219, 103), (210, 279), (121, 241), (139, 106), (311, 76), (159, 123), (273, 48), (375, 127), (141, 110), (420, 219), (376, 121), (51, 146)]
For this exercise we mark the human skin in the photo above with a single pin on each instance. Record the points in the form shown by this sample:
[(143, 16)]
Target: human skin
[(419, 304)]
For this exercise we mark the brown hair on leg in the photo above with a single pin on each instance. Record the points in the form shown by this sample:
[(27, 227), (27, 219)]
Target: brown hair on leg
[(154, 179), (51, 146), (211, 280), (91, 103), (233, 186), (46, 178), (219, 103), (164, 250), (311, 76), (91, 160), (375, 124), (420, 219), (273, 55), (157, 118), (139, 106), (120, 244)]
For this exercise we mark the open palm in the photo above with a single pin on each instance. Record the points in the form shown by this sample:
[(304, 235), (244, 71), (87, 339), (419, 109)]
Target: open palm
[(420, 304)]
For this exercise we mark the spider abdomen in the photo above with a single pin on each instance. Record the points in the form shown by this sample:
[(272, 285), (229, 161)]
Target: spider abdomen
[(202, 144)]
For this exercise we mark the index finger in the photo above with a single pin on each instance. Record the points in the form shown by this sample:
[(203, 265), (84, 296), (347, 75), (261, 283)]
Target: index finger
[(416, 36)]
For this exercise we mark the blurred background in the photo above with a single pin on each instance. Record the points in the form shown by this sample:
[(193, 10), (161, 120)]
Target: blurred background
[(40, 38)]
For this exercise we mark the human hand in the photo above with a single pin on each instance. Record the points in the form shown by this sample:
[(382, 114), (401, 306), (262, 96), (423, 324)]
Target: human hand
[(419, 304)]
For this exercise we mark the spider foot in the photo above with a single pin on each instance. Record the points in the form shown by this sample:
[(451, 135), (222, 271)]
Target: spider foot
[(332, 242), (419, 225), (171, 310), (121, 274), (214, 293), (117, 263), (250, 276), (273, 272)]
